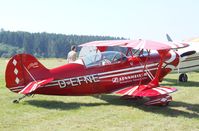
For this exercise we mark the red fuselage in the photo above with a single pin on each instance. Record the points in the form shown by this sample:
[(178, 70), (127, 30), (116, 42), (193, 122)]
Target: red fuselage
[(77, 79)]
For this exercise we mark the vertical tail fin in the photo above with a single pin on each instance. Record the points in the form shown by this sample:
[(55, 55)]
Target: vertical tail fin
[(23, 69), (169, 38)]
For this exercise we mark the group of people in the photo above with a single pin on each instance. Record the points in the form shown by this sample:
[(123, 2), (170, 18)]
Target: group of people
[(72, 55)]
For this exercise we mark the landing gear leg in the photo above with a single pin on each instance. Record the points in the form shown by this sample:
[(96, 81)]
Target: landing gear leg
[(183, 77), (20, 98)]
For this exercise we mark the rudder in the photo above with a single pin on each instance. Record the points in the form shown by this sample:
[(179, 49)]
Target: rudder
[(23, 69)]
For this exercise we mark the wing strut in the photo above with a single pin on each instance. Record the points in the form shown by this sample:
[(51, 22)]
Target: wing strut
[(148, 51), (155, 82)]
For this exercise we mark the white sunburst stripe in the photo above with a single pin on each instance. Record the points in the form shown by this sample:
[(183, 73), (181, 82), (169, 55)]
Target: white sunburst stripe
[(111, 72), (103, 75), (165, 89), (150, 75), (126, 69), (25, 88), (130, 92), (159, 90), (16, 87), (140, 45), (147, 69), (65, 79), (156, 101), (49, 85), (118, 90), (129, 69), (172, 58), (126, 73), (34, 87)]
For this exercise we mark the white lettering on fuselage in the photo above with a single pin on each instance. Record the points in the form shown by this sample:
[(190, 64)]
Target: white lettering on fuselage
[(76, 81), (127, 78)]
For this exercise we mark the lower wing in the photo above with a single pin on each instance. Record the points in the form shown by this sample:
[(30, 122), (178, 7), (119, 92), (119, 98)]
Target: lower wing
[(142, 91)]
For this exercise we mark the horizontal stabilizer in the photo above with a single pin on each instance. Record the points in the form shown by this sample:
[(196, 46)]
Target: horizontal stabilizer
[(32, 86)]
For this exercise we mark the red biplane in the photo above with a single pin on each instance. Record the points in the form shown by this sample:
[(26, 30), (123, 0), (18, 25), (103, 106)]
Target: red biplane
[(130, 75)]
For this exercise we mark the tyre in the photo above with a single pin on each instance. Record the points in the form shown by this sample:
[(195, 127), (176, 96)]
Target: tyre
[(183, 77)]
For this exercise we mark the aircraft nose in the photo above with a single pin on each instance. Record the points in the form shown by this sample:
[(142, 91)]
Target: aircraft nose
[(173, 60)]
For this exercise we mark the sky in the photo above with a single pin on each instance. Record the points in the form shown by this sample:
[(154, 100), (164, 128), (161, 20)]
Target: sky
[(133, 19)]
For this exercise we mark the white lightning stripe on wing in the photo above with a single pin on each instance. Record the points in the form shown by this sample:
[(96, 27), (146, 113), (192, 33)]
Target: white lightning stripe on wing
[(140, 45), (160, 91), (131, 91), (165, 89)]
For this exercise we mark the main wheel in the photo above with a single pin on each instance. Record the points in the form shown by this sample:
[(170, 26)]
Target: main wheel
[(183, 77), (166, 103), (15, 101)]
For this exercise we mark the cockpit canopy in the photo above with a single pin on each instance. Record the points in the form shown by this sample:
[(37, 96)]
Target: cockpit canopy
[(104, 58)]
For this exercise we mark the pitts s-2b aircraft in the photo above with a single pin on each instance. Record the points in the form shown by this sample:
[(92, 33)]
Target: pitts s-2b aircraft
[(132, 76)]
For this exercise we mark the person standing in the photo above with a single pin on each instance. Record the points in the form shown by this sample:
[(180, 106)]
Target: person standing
[(72, 55)]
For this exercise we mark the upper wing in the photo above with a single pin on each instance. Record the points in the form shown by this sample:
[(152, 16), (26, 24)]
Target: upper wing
[(32, 86), (137, 44)]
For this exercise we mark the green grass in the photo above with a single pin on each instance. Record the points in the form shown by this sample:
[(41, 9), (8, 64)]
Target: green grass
[(105, 113)]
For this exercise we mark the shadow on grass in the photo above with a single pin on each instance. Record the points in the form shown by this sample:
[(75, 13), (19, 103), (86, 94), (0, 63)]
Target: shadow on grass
[(174, 82), (192, 110), (59, 105), (173, 110)]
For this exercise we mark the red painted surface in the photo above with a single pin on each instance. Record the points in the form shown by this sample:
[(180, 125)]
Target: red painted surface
[(107, 78), (133, 77)]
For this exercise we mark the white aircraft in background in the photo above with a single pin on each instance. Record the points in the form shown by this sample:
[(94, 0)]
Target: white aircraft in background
[(189, 61)]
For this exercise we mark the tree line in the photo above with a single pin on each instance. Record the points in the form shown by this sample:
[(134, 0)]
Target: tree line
[(42, 44)]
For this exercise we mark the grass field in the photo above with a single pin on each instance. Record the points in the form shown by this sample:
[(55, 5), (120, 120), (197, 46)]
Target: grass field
[(108, 112)]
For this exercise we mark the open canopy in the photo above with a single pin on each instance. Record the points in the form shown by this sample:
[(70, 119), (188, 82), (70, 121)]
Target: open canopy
[(138, 44)]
